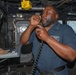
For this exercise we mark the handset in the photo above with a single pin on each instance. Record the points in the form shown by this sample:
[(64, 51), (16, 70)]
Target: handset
[(40, 18)]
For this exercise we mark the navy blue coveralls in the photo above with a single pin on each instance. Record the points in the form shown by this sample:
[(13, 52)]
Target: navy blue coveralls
[(49, 60)]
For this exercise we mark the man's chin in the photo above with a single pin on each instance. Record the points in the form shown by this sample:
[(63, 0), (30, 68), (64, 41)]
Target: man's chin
[(45, 25)]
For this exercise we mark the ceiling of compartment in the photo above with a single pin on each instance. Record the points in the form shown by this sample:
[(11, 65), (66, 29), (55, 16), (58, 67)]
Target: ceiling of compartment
[(67, 6)]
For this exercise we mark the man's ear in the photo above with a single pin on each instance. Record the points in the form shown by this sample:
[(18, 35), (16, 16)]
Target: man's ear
[(57, 16)]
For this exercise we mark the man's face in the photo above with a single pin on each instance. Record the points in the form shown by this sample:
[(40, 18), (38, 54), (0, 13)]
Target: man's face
[(48, 16)]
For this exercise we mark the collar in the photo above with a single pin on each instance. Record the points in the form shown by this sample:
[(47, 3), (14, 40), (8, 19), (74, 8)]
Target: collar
[(56, 26)]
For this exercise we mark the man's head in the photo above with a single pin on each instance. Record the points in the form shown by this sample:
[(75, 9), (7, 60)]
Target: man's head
[(49, 16)]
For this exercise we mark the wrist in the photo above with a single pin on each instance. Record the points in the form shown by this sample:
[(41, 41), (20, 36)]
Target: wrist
[(31, 27), (48, 39)]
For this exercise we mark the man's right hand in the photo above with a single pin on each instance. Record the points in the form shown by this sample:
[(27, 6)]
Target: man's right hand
[(35, 20)]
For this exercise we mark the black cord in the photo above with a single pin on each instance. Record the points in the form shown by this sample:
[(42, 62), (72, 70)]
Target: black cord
[(37, 58)]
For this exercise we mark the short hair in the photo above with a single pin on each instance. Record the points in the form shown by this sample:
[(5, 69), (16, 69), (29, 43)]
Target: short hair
[(54, 8)]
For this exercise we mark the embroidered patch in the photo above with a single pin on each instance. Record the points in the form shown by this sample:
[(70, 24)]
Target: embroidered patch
[(56, 37)]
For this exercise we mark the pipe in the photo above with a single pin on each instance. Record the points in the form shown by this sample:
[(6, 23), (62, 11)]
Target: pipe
[(33, 9)]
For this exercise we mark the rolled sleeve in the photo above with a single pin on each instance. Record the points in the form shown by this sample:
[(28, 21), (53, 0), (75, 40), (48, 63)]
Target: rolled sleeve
[(69, 37), (32, 37)]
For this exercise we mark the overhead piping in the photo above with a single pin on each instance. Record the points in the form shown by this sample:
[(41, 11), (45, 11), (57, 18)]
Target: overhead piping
[(33, 9), (63, 3)]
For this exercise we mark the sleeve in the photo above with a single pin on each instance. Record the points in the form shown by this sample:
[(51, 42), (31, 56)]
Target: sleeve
[(32, 36), (69, 37)]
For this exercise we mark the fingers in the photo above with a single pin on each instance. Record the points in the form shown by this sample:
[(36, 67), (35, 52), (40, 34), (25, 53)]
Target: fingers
[(36, 17), (39, 30), (38, 33)]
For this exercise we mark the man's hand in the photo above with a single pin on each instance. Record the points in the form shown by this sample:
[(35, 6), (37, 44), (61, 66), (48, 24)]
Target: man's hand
[(42, 33), (35, 20)]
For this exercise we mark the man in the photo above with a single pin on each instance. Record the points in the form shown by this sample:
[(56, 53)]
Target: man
[(59, 42)]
